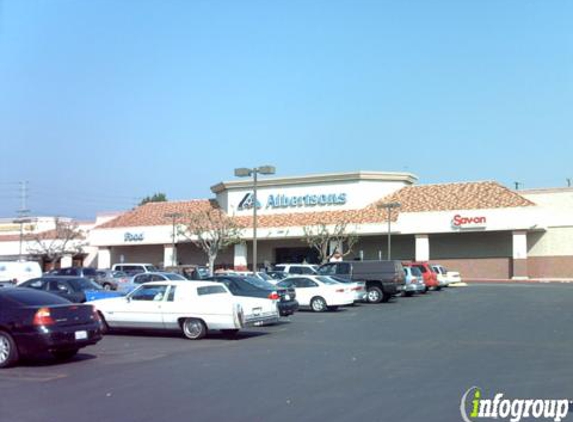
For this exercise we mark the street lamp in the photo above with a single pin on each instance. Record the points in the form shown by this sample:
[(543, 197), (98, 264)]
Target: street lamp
[(173, 216), (389, 207), (247, 172)]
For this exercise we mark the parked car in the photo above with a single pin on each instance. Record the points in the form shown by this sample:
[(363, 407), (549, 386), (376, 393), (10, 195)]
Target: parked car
[(358, 287), (414, 281), (141, 278), (84, 272), (110, 280), (74, 289), (296, 268), (17, 272), (33, 322), (384, 279), (277, 275), (190, 272), (448, 277), (134, 268), (430, 277), (319, 293), (255, 287), (192, 308)]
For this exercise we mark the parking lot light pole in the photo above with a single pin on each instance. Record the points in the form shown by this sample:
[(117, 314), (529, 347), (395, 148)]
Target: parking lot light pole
[(173, 216), (248, 172), (389, 207)]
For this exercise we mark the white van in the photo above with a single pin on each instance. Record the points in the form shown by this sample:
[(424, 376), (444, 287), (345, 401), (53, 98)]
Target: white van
[(19, 271)]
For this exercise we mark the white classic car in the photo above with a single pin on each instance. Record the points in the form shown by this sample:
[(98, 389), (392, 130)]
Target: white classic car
[(193, 307)]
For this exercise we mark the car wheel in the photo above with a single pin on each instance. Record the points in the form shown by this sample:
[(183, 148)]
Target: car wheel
[(408, 294), (65, 354), (8, 350), (104, 327), (194, 329), (425, 290), (438, 288), (374, 295), (231, 332), (318, 304), (107, 286)]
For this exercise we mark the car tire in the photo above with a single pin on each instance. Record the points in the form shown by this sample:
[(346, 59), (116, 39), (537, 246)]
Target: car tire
[(408, 294), (425, 290), (65, 354), (438, 288), (104, 326), (8, 350), (374, 295), (194, 329), (318, 304), (107, 286)]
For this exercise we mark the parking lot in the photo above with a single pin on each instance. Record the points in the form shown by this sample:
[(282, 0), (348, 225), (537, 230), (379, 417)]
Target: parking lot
[(408, 360)]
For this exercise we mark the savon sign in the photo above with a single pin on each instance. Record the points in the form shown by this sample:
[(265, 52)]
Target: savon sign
[(460, 221)]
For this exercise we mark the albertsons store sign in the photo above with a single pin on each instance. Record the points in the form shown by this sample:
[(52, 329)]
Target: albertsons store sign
[(285, 201)]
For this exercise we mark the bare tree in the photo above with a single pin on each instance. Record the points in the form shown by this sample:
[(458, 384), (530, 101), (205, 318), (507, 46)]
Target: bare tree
[(320, 236), (210, 230), (65, 239)]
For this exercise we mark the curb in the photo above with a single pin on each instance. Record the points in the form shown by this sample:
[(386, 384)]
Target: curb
[(520, 281)]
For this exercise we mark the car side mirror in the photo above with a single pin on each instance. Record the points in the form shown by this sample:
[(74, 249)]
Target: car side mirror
[(127, 299)]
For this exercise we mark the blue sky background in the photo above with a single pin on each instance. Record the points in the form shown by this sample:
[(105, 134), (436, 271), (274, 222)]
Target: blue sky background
[(104, 102)]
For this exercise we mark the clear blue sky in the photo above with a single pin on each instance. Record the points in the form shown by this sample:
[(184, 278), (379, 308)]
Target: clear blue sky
[(103, 102)]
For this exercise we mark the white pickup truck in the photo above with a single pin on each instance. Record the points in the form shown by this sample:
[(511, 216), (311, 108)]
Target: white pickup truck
[(192, 307)]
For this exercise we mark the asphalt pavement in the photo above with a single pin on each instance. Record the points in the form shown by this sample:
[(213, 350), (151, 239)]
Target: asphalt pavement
[(408, 360)]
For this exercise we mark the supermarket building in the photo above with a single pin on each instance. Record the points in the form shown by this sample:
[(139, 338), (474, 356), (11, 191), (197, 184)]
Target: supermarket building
[(482, 229)]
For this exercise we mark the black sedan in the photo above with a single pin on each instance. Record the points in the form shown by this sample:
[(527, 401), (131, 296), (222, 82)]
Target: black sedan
[(255, 287), (33, 322), (74, 289)]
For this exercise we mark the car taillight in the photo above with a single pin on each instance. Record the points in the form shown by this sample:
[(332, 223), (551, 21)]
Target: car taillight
[(274, 296), (358, 288), (43, 317), (95, 314), (339, 290)]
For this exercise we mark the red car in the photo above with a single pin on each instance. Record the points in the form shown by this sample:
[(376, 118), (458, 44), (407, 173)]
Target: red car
[(430, 277)]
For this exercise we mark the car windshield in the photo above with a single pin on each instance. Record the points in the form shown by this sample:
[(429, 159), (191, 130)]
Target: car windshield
[(150, 268), (118, 274), (265, 276), (257, 282), (327, 280), (415, 271), (85, 284), (174, 276)]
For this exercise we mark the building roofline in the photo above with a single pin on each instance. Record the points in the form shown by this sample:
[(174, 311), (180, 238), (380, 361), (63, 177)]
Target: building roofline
[(408, 178), (544, 190)]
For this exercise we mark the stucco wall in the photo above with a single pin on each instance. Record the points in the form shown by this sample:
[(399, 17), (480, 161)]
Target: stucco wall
[(556, 241)]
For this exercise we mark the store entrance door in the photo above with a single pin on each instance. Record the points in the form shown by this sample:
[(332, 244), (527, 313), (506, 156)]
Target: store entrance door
[(296, 256)]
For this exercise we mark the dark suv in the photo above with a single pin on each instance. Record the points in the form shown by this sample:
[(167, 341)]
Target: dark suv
[(255, 287), (384, 279)]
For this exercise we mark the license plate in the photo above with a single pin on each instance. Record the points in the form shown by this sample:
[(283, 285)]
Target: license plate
[(81, 335), (287, 297), (257, 311)]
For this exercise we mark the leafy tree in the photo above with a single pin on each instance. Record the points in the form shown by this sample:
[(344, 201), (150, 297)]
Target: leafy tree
[(156, 197), (320, 236), (211, 230)]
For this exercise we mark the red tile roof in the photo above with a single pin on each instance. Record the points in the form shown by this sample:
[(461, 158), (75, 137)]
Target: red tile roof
[(420, 198)]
